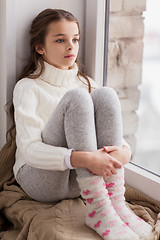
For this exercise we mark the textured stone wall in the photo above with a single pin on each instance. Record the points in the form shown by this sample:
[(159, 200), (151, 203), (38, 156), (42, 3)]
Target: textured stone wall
[(126, 30)]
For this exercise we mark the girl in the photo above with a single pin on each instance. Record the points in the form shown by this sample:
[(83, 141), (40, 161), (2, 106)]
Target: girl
[(63, 125)]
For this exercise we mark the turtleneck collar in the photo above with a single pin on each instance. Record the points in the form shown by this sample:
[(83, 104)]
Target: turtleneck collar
[(58, 77)]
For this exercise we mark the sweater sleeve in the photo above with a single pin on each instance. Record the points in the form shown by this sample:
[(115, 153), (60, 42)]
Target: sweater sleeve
[(28, 131)]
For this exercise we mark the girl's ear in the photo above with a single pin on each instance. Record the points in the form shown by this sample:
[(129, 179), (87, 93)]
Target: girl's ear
[(39, 49)]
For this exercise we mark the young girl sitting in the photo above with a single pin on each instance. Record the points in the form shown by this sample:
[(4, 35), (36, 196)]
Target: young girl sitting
[(69, 131)]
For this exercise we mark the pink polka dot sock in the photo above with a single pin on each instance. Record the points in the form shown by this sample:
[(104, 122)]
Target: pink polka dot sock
[(100, 214), (116, 190)]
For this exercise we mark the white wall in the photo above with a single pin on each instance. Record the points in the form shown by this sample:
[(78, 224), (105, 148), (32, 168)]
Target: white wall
[(2, 71)]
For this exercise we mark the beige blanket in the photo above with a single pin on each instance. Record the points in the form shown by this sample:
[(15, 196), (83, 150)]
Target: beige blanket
[(21, 218)]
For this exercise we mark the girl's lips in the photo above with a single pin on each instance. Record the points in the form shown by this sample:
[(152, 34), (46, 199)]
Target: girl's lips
[(70, 56)]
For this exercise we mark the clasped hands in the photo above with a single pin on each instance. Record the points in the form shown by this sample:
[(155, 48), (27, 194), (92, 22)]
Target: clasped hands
[(113, 158)]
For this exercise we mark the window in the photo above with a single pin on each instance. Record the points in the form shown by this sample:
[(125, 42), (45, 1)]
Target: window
[(137, 174), (148, 135), (144, 169)]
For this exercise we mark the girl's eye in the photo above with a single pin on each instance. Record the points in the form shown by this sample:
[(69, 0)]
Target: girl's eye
[(76, 40), (60, 40)]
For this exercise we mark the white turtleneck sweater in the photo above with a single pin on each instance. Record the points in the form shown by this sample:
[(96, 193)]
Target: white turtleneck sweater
[(34, 101)]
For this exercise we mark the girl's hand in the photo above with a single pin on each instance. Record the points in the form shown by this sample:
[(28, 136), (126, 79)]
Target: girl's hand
[(121, 154), (102, 163)]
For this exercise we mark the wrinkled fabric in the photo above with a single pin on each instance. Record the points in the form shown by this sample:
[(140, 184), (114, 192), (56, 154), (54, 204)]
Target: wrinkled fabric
[(65, 220), (22, 218)]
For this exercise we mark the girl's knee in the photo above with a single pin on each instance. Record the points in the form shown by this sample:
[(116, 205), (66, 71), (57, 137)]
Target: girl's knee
[(77, 91), (105, 91), (106, 96), (79, 95)]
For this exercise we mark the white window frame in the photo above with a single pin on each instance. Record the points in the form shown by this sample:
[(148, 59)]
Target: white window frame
[(94, 39), (143, 180)]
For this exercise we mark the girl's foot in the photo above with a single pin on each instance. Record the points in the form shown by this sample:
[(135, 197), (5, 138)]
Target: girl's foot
[(116, 190), (100, 214)]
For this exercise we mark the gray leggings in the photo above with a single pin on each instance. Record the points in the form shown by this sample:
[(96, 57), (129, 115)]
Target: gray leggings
[(83, 122)]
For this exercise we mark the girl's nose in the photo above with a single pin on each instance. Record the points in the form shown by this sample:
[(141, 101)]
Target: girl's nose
[(69, 48)]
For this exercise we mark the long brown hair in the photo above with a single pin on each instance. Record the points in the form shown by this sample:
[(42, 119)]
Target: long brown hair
[(38, 32)]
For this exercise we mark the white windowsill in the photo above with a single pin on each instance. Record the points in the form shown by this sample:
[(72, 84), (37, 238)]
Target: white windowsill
[(144, 181)]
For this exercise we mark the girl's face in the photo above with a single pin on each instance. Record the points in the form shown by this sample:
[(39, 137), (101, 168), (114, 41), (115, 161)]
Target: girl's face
[(61, 44)]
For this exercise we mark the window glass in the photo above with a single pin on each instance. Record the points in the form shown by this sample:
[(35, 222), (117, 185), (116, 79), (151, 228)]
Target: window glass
[(148, 134)]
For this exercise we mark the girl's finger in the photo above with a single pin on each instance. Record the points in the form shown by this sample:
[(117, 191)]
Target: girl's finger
[(110, 148), (113, 171), (117, 164), (105, 148), (91, 172)]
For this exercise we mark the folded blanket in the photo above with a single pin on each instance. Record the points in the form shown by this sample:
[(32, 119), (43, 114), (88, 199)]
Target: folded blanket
[(22, 218), (146, 208)]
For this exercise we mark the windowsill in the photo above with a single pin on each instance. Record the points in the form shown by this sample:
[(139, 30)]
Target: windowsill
[(142, 180)]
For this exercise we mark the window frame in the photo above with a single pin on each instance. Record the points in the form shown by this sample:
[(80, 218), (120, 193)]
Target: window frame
[(142, 180), (95, 39)]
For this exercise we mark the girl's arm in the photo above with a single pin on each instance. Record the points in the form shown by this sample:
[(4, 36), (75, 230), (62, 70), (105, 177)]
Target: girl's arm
[(101, 163), (122, 154), (29, 125), (98, 162)]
